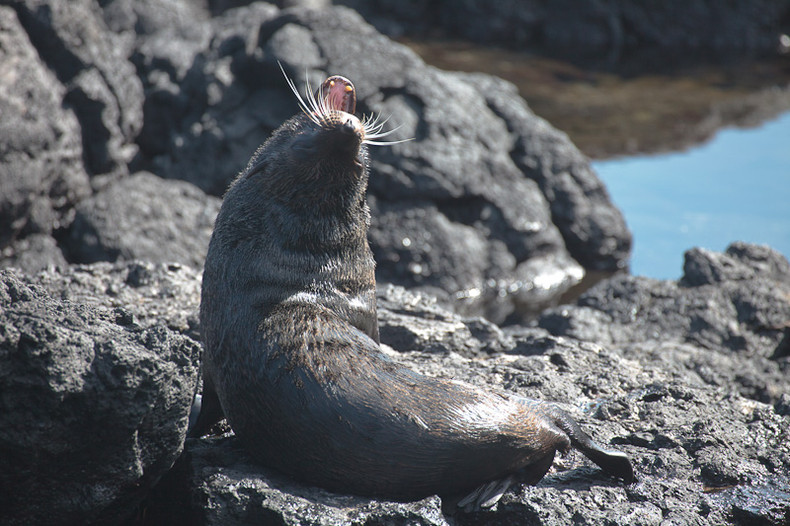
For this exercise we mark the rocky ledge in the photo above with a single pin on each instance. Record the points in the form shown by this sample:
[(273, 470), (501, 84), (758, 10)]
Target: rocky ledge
[(689, 378)]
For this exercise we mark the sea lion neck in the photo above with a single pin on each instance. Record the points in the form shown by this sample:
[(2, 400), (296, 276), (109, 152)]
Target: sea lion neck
[(306, 185)]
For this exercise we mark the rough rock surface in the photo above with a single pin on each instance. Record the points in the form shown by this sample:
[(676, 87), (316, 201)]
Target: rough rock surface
[(143, 217), (41, 171), (150, 293), (93, 407), (703, 415), (706, 450), (580, 27), (100, 83), (734, 306)]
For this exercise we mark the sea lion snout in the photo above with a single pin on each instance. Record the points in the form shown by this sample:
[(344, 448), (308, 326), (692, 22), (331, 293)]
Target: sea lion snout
[(350, 126)]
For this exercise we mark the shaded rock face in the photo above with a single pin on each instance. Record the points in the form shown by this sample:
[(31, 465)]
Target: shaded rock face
[(607, 30), (41, 170), (174, 217), (94, 407), (100, 84), (487, 200)]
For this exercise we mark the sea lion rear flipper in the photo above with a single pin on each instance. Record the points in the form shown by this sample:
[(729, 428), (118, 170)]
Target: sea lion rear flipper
[(485, 495), (207, 408), (612, 461), (489, 493)]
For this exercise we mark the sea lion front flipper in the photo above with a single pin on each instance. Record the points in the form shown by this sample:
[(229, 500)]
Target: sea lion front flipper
[(208, 410), (612, 461)]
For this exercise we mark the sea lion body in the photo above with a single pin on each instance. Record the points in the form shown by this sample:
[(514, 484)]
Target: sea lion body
[(292, 355)]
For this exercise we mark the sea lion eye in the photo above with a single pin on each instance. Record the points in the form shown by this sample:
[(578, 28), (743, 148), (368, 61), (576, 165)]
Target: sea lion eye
[(304, 143)]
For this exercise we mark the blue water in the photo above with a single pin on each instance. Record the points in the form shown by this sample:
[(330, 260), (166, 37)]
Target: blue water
[(734, 188)]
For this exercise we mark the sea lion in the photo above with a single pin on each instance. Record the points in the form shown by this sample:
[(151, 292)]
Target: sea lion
[(292, 355)]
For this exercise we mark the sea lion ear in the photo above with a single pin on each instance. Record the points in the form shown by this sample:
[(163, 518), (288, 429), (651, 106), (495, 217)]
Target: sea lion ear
[(256, 166)]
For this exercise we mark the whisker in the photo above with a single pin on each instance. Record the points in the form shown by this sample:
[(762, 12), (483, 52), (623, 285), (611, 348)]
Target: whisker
[(314, 106), (323, 109), (387, 143), (374, 127), (303, 106)]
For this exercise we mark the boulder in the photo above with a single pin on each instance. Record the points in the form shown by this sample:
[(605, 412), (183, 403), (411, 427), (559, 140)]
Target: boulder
[(604, 30), (143, 217), (100, 84), (477, 178), (150, 294), (41, 171), (487, 201), (94, 407), (735, 305)]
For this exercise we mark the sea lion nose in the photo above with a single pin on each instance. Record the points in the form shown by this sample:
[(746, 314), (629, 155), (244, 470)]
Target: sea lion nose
[(349, 127)]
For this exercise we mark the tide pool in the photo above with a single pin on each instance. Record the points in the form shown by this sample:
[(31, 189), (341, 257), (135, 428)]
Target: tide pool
[(734, 188)]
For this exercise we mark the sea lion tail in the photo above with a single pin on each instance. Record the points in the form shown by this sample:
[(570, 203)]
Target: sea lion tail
[(612, 461)]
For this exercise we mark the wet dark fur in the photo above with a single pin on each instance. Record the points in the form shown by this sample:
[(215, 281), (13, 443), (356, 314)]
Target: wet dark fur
[(288, 317)]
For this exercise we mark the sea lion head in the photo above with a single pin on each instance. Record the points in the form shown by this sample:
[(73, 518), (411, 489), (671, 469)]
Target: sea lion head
[(335, 132), (321, 152)]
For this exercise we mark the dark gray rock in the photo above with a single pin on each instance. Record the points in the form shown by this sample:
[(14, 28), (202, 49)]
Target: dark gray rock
[(741, 261), (704, 423), (484, 203), (411, 321), (471, 172), (100, 83), (33, 253), (575, 28), (201, 122), (233, 490), (457, 209), (149, 294), (703, 452), (737, 301), (143, 217), (594, 231), (726, 319), (41, 173), (94, 407), (142, 18)]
